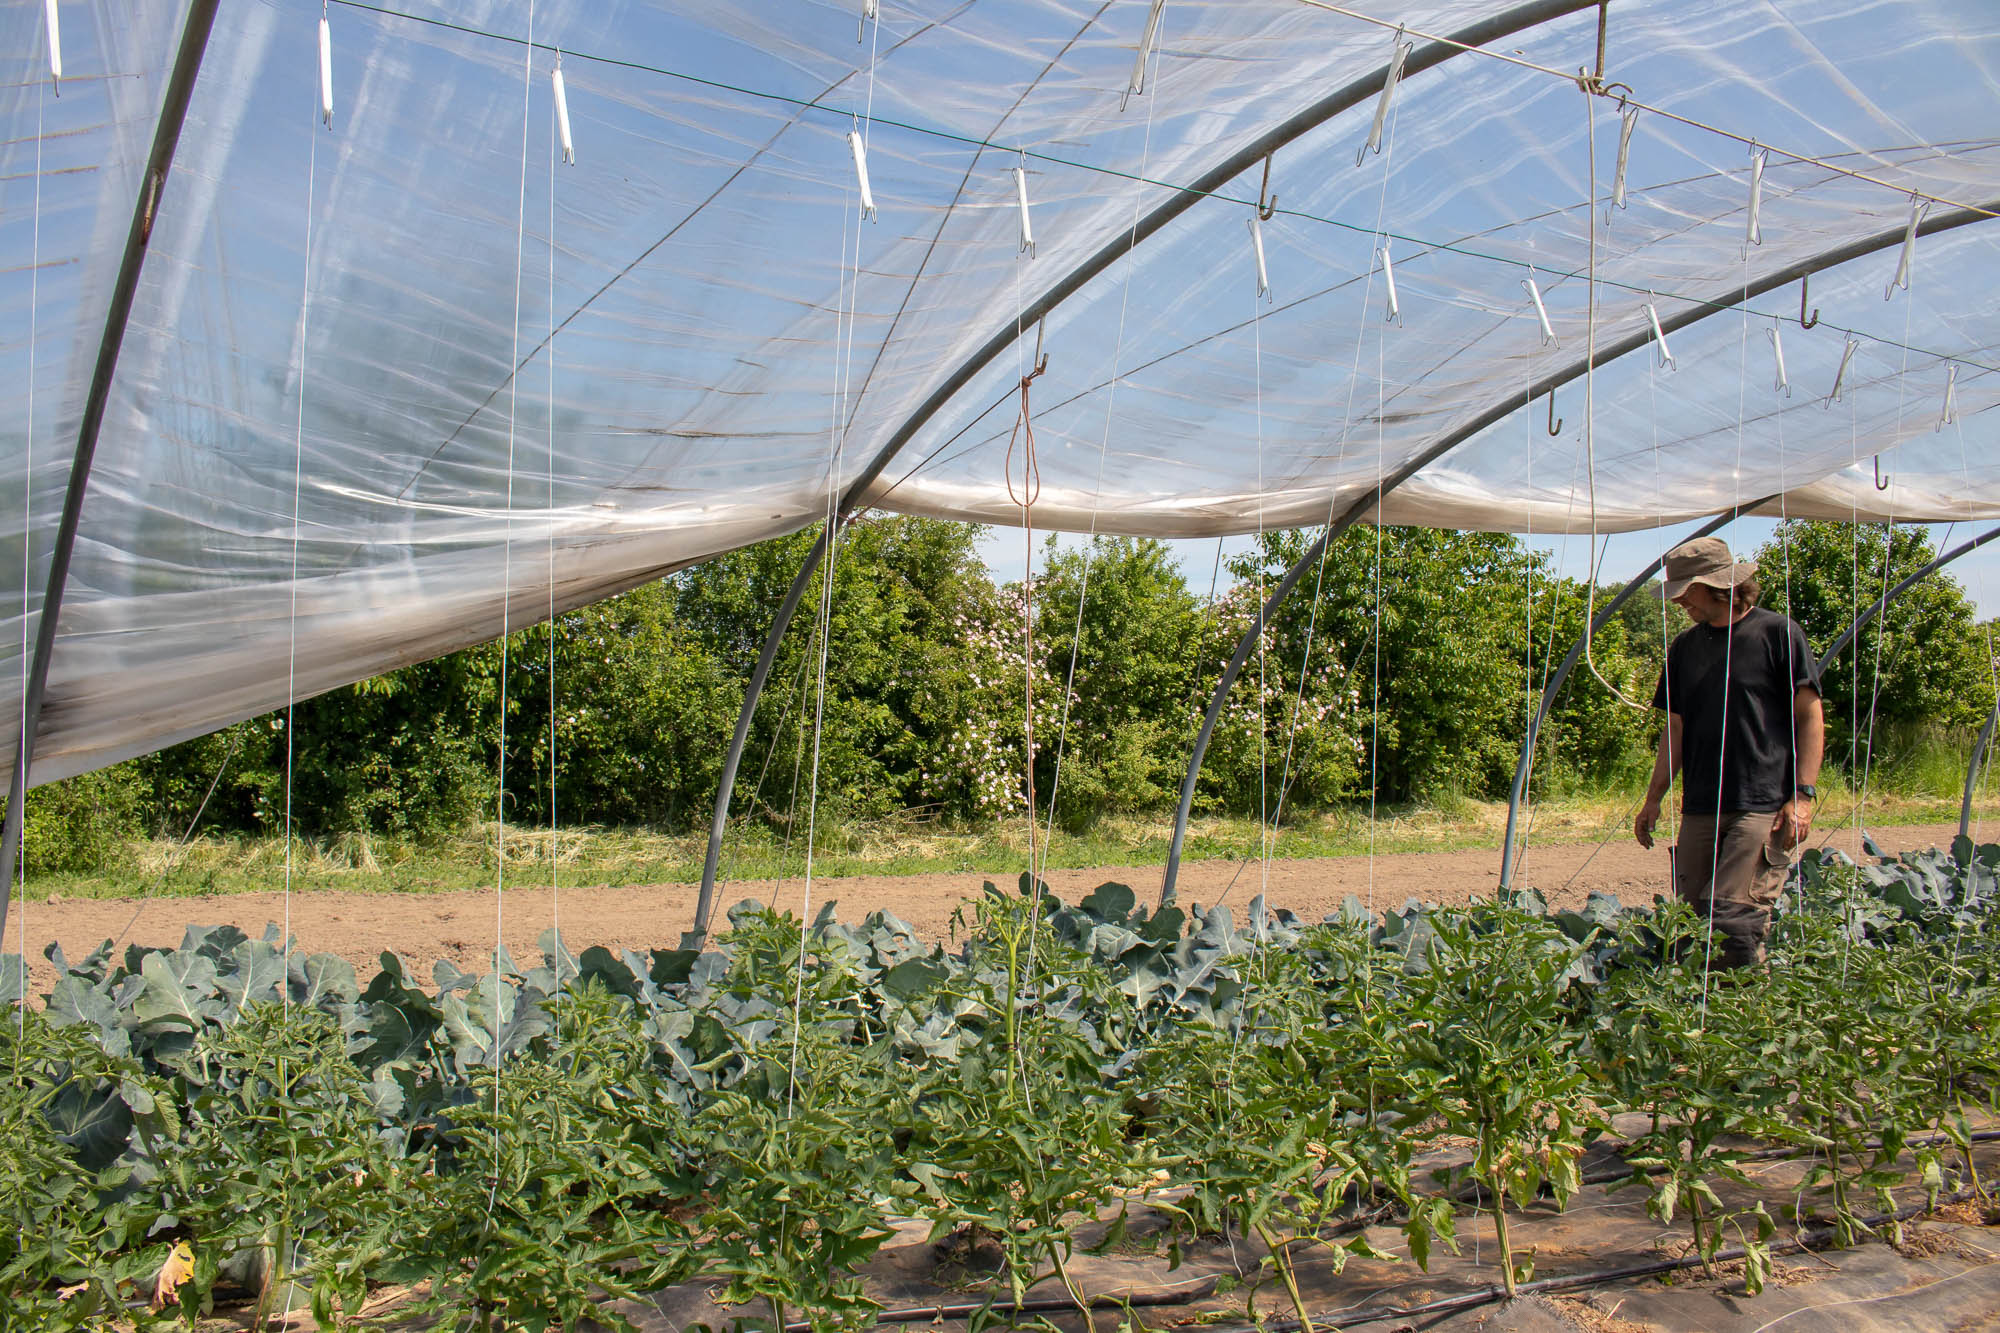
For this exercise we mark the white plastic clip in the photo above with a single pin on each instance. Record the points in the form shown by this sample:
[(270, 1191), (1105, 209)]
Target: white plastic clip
[(55, 43), (1781, 383), (562, 111), (1918, 207), (1374, 144), (1257, 244), (1753, 233), (1541, 312), (860, 151), (1628, 120), (1137, 83), (1027, 227), (1840, 375), (325, 72), (1394, 314), (1660, 337), (1950, 414), (869, 10)]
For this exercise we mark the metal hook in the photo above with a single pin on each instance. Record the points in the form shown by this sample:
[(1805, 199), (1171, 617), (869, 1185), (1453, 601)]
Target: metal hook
[(1881, 482), (1041, 357), (1555, 422), (1267, 203), (1804, 284)]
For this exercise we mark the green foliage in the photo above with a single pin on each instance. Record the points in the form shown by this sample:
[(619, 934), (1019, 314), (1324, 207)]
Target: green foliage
[(1921, 661), (526, 1145), (85, 822), (617, 712)]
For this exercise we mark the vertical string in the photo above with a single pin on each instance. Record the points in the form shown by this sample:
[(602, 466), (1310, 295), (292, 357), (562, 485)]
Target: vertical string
[(27, 561), (1266, 830), (1888, 564), (549, 575), (507, 553), (836, 446), (301, 371), (292, 615), (1728, 641), (1103, 453), (28, 492)]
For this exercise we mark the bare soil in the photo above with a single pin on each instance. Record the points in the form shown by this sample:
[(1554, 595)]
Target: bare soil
[(460, 927)]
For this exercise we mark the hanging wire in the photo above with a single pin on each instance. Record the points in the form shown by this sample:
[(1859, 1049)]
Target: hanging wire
[(1590, 407), (1319, 574), (28, 541), (559, 106), (497, 1059), (1083, 589), (302, 371), (298, 475), (836, 449), (1597, 88), (1888, 547), (931, 131)]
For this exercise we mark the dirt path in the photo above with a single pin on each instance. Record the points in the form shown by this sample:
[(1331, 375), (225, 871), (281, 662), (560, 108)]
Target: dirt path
[(426, 927)]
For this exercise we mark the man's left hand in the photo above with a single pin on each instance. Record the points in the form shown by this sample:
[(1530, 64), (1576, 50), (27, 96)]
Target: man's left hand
[(1793, 824)]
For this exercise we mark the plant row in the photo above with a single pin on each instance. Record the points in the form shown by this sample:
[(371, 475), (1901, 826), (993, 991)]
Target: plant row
[(234, 1119)]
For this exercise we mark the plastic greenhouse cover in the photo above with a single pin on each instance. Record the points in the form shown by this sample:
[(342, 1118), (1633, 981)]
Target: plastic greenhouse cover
[(394, 386)]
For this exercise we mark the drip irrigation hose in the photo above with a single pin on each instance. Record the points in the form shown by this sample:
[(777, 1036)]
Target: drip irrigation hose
[(1817, 1238), (1473, 1192), (1041, 1305)]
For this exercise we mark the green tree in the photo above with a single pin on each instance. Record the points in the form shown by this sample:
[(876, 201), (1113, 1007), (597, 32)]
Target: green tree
[(1924, 659), (1120, 610)]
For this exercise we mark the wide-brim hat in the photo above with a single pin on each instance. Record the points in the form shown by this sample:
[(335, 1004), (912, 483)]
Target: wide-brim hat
[(1704, 560)]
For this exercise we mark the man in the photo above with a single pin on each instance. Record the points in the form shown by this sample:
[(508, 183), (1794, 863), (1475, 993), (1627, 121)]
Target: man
[(1745, 730)]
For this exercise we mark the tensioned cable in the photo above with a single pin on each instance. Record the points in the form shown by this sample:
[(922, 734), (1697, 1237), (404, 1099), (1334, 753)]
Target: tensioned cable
[(944, 454), (187, 836), (1549, 644), (28, 522), (1340, 459), (1057, 160), (549, 576), (951, 136), (1888, 563), (1089, 549), (836, 449), (1728, 656), (292, 616), (1590, 411), (506, 629), (27, 564), (1595, 87)]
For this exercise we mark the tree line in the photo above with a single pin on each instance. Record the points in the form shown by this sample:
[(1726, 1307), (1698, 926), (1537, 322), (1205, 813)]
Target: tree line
[(1403, 668)]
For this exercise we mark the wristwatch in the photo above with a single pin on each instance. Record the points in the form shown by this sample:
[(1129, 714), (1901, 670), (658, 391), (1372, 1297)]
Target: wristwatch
[(1807, 790)]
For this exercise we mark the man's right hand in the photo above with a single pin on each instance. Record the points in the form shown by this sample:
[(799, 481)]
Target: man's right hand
[(1642, 824)]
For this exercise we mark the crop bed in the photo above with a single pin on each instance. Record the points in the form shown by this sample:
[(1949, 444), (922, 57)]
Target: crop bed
[(589, 1137)]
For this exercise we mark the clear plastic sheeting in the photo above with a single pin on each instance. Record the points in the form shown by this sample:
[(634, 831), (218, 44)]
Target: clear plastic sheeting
[(394, 387)]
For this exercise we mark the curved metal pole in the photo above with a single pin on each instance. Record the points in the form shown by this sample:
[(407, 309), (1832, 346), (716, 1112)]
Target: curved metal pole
[(1729, 299), (1847, 635), (1229, 674), (1518, 19), (1555, 682), (1972, 769), (166, 137), (1368, 86), (705, 904)]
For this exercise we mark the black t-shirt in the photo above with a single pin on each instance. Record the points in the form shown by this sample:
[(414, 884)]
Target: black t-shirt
[(1766, 659)]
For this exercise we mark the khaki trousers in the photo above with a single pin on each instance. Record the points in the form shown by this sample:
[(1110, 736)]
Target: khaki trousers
[(1730, 871)]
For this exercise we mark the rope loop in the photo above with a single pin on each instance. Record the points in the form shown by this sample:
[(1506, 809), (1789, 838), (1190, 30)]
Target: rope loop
[(1031, 473)]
